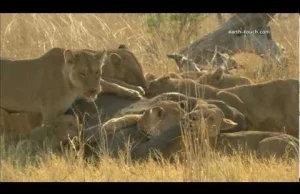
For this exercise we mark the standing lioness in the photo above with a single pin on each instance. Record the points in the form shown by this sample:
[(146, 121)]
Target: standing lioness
[(50, 84)]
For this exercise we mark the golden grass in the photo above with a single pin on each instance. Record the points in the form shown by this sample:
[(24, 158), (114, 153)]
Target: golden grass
[(30, 35)]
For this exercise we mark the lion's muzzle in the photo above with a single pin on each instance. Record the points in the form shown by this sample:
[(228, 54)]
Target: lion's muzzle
[(91, 94)]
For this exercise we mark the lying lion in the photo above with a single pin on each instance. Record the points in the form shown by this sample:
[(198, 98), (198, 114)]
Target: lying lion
[(221, 80), (272, 105), (50, 84), (136, 127), (216, 78), (191, 88), (268, 106), (173, 109), (154, 119), (169, 141), (122, 73), (158, 119)]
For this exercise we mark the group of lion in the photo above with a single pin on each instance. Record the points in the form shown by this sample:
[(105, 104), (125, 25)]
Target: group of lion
[(106, 93)]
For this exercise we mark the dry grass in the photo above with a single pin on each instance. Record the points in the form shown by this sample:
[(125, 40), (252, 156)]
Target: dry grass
[(30, 35)]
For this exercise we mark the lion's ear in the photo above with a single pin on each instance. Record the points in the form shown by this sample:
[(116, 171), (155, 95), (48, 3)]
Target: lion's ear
[(158, 111), (122, 46), (101, 55), (183, 104), (69, 57), (115, 58)]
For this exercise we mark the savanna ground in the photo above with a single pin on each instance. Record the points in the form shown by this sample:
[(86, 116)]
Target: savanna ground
[(31, 35)]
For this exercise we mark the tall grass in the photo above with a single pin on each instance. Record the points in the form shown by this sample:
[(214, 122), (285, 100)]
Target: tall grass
[(31, 35)]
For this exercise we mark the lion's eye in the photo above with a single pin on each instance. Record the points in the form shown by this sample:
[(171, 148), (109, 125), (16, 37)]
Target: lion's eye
[(82, 74)]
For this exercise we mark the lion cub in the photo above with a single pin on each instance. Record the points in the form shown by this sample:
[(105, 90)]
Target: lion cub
[(50, 84)]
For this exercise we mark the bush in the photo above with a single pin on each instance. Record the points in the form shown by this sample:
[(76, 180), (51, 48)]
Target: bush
[(178, 27)]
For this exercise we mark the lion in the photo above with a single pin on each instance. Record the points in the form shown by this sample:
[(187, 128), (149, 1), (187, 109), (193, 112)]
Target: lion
[(164, 114), (217, 78), (255, 141), (155, 120), (50, 84), (171, 108), (195, 75), (63, 128), (159, 119), (264, 144), (221, 80), (272, 105), (119, 129), (228, 111), (191, 88), (122, 73)]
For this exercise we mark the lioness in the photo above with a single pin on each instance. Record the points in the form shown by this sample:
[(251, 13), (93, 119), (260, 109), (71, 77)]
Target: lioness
[(173, 109), (271, 105), (191, 88), (249, 140), (229, 112), (49, 84), (122, 73), (217, 78), (192, 103), (158, 120), (265, 144), (221, 80), (195, 75)]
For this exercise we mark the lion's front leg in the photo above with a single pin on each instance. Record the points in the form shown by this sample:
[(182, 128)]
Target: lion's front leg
[(126, 85), (115, 124), (119, 90)]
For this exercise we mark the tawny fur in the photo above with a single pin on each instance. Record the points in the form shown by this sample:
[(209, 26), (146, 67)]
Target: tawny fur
[(122, 73), (271, 106), (50, 84), (221, 80), (191, 88)]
